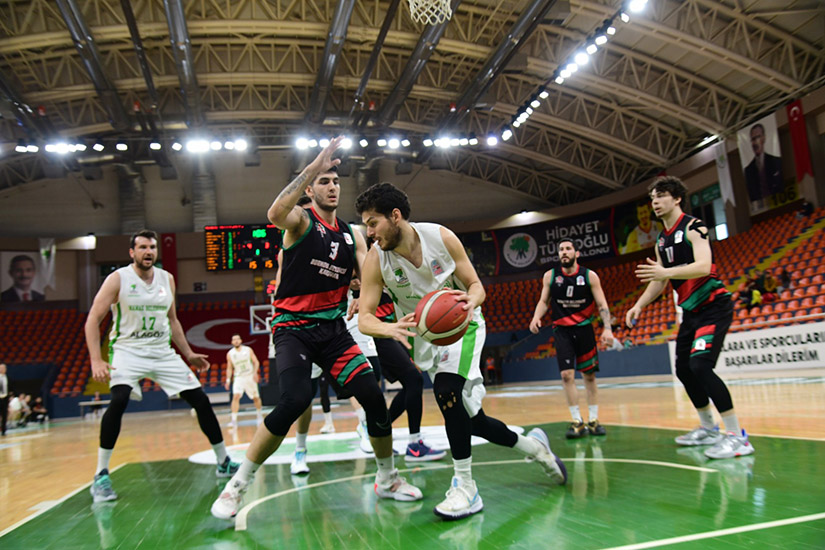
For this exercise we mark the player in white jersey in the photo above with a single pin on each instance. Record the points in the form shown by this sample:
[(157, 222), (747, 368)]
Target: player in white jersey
[(242, 372), (144, 324), (412, 259)]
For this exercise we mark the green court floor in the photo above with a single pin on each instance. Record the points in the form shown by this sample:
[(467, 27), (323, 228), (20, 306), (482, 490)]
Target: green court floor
[(633, 488)]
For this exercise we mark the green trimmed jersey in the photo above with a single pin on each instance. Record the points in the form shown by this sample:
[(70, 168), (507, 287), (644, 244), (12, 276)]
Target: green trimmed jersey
[(140, 317)]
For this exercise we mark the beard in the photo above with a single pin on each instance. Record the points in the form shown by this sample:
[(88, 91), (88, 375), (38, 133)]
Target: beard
[(568, 263), (143, 267), (393, 238)]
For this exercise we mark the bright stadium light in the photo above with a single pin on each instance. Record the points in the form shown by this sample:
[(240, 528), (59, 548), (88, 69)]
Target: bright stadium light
[(572, 67), (427, 142), (516, 123), (32, 148), (637, 5), (216, 145), (463, 141), (582, 58), (195, 146), (323, 142), (313, 143), (600, 40), (363, 142), (564, 73), (544, 94), (241, 144), (591, 49), (121, 147), (176, 146), (492, 141), (455, 142), (625, 17), (98, 147), (301, 143), (394, 143), (381, 142), (473, 140), (155, 146), (535, 104), (559, 80), (346, 143), (229, 145), (611, 30), (506, 134), (405, 142)]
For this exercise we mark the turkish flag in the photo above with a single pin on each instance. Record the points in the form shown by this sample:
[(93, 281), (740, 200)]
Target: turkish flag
[(799, 140)]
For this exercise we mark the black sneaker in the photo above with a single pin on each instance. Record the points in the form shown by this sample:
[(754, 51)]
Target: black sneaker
[(595, 428), (576, 430)]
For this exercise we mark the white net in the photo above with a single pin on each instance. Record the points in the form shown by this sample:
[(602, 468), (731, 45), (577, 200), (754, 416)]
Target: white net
[(430, 12)]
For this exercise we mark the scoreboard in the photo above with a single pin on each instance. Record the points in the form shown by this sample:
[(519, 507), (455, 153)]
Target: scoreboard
[(243, 246)]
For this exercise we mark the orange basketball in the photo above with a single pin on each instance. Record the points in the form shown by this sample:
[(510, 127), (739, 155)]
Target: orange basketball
[(440, 318)]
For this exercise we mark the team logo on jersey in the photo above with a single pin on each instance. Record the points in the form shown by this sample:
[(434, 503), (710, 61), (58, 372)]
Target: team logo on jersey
[(678, 237), (445, 355), (133, 291), (347, 238), (580, 280), (436, 267), (161, 292), (700, 345), (661, 242), (320, 228), (520, 250), (559, 280), (400, 278)]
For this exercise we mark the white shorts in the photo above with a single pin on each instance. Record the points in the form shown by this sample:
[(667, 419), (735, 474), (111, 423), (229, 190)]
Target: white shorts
[(165, 367), (462, 358), (245, 384)]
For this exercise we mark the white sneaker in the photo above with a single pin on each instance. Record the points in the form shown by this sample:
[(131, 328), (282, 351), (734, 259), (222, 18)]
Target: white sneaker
[(230, 424), (397, 488), (700, 436), (731, 446), (328, 429), (364, 444), (228, 504), (553, 466), (462, 501), (299, 463)]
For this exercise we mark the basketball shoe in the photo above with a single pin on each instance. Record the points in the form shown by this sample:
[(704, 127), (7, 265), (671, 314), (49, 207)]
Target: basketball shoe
[(595, 428), (228, 504), (328, 428), (364, 437), (462, 501), (421, 452), (577, 429), (227, 468), (397, 488), (553, 466), (731, 446), (700, 436), (299, 463), (101, 488)]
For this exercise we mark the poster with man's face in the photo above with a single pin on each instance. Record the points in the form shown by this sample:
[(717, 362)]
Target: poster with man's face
[(762, 164), (19, 281), (635, 226)]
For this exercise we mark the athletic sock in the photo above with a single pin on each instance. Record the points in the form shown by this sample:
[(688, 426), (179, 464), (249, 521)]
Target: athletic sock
[(103, 456), (247, 470), (235, 419), (220, 452), (300, 441), (527, 445), (575, 413), (415, 438), (328, 418), (593, 412), (362, 416), (706, 418), (464, 470), (386, 466), (732, 423)]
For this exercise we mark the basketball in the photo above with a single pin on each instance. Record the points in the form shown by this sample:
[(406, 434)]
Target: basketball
[(440, 318)]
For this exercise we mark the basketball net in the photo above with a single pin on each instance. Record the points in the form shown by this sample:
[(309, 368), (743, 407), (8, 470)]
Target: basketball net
[(430, 12)]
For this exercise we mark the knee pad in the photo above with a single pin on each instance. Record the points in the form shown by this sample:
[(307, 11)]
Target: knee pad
[(196, 398), (379, 423), (286, 412), (447, 389), (120, 398)]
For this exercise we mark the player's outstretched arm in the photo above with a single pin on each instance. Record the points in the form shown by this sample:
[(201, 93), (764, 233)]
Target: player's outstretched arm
[(104, 299), (372, 284), (542, 306)]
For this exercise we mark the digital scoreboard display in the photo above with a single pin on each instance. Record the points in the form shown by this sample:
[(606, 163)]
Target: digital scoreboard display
[(248, 247)]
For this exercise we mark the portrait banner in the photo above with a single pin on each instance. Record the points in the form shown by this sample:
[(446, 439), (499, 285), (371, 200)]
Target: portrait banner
[(762, 165)]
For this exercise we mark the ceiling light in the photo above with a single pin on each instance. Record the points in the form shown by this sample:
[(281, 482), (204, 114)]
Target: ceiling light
[(51, 148), (492, 141), (559, 80), (313, 143), (427, 142), (323, 142), (535, 104), (473, 140), (216, 145), (582, 58), (363, 142), (564, 73), (455, 142), (98, 147), (405, 142), (20, 147), (544, 94), (382, 142), (394, 143), (241, 144), (32, 148), (195, 146), (591, 49), (154, 146), (529, 110), (346, 143), (625, 17), (229, 145), (611, 30), (600, 40), (78, 146), (516, 123), (637, 5), (506, 134), (176, 146), (572, 67), (463, 141)]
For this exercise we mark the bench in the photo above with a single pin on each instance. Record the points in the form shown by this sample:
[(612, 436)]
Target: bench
[(92, 404)]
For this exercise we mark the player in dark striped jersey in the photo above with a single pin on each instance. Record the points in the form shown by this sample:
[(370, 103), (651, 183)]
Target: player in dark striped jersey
[(573, 292), (684, 257)]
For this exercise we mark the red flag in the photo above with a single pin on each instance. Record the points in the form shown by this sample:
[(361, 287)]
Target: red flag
[(169, 253), (799, 139)]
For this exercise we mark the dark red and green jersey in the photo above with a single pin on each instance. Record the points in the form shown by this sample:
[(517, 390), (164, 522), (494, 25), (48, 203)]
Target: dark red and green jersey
[(571, 299), (674, 250), (315, 276), (386, 308)]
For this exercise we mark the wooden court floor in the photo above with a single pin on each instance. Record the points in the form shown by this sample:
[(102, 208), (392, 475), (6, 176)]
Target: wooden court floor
[(633, 487)]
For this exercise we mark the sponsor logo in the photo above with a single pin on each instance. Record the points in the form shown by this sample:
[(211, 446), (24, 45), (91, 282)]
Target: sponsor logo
[(161, 291), (436, 267), (661, 242), (700, 345), (678, 236), (321, 229), (445, 355), (580, 280), (133, 291), (400, 277), (520, 250), (347, 238), (559, 280)]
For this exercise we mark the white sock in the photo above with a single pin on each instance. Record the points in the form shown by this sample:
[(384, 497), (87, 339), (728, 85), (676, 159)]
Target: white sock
[(527, 445), (328, 418), (706, 418), (235, 418), (464, 470), (593, 412), (576, 413), (362, 416), (259, 413), (415, 438), (300, 441), (247, 470), (386, 467), (220, 452), (732, 423), (103, 456)]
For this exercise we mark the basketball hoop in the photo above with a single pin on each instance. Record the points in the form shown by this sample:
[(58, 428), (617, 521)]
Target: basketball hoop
[(430, 12)]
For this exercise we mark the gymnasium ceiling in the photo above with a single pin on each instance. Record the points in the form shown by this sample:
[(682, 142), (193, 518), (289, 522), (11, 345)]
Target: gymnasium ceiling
[(678, 72)]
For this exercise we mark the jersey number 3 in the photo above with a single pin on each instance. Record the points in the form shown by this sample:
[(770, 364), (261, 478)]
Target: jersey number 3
[(333, 250)]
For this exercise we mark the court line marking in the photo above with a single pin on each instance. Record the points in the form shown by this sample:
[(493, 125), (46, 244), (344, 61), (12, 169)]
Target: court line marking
[(721, 532), (54, 503), (774, 436), (241, 517)]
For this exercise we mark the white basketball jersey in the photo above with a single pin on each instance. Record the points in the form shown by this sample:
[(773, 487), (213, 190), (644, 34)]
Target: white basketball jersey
[(242, 361), (407, 284), (366, 343), (140, 322)]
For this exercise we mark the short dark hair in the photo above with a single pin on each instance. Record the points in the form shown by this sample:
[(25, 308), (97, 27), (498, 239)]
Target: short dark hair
[(21, 258), (383, 198), (303, 201), (669, 184), (238, 334), (146, 233), (567, 240), (759, 126)]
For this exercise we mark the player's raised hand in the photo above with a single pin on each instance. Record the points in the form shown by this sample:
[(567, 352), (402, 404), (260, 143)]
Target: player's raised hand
[(324, 161), (651, 271)]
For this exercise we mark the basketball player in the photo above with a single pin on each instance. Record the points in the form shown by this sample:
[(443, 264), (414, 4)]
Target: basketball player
[(573, 293), (141, 297), (320, 254), (684, 257), (243, 365), (412, 259)]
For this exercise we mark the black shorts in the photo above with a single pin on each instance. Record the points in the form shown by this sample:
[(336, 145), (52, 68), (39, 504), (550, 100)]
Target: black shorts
[(328, 345), (702, 332), (577, 346), (395, 360)]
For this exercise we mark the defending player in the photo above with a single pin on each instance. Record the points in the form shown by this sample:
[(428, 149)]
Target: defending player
[(684, 256), (573, 293), (412, 259), (242, 364)]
